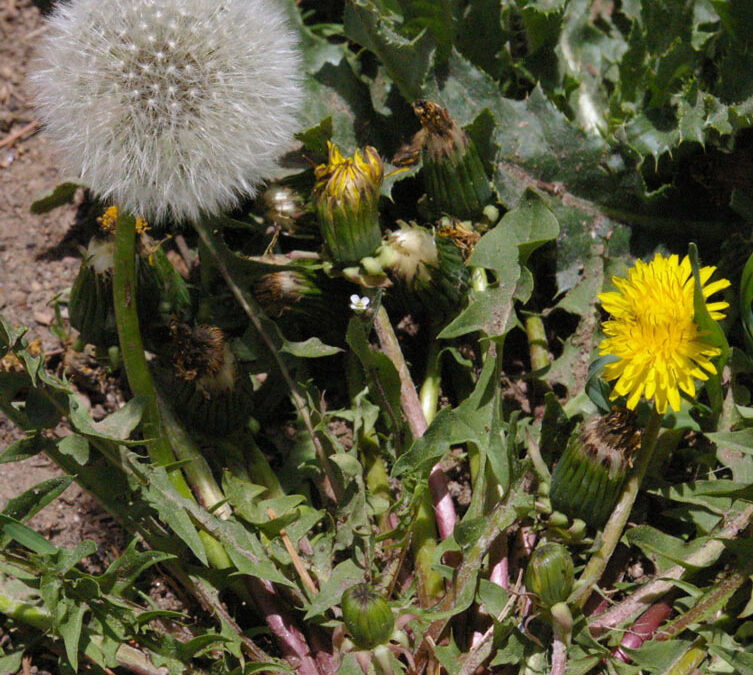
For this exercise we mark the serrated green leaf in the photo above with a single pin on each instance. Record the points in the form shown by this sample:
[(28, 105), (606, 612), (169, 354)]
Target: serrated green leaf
[(13, 529), (26, 505), (117, 426), (343, 576), (127, 567), (315, 138), (25, 448), (492, 596), (407, 61), (76, 447), (741, 661), (662, 549)]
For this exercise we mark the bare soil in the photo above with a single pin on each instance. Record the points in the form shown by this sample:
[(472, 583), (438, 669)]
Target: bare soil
[(39, 259)]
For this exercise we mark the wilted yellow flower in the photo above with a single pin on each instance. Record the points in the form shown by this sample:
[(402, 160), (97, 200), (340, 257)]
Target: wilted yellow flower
[(661, 350), (347, 200)]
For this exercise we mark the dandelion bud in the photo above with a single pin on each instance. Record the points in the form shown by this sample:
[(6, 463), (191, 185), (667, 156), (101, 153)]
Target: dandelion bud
[(427, 268), (347, 201), (456, 183), (172, 108), (550, 574), (588, 479), (206, 384), (367, 616), (302, 298), (91, 308)]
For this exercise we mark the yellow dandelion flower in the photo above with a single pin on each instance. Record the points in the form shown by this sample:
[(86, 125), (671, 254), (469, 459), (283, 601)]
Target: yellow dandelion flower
[(660, 349)]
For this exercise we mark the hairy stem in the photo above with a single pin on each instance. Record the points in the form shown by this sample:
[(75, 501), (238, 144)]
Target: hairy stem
[(616, 524)]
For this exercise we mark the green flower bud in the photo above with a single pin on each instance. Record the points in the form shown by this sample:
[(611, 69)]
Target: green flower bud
[(347, 201), (207, 387), (456, 183), (302, 298), (550, 574), (427, 269), (588, 479), (90, 307), (367, 616)]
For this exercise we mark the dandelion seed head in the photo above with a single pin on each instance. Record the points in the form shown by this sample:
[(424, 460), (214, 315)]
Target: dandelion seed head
[(170, 107), (660, 349)]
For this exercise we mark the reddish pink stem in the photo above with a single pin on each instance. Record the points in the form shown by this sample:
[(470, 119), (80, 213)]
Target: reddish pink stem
[(414, 415), (291, 641), (643, 629)]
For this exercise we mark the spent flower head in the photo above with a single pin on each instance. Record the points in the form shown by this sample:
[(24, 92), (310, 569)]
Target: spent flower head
[(170, 107), (660, 349)]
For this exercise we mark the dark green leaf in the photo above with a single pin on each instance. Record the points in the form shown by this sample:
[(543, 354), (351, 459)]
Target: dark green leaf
[(60, 195)]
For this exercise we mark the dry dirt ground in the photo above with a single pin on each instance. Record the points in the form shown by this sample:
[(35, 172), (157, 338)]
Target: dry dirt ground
[(39, 258)]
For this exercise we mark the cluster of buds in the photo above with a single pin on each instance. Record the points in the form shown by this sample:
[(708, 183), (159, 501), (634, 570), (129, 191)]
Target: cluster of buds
[(347, 203), (588, 479)]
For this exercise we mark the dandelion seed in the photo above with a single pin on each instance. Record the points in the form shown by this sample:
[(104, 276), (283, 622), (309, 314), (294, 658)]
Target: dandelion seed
[(661, 350), (158, 114)]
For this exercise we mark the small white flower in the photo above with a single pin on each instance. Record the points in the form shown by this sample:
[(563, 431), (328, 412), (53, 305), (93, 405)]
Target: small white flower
[(170, 107), (359, 304)]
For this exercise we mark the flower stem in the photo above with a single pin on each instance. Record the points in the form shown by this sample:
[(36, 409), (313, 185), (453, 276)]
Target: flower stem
[(616, 524), (538, 347), (436, 504), (132, 347)]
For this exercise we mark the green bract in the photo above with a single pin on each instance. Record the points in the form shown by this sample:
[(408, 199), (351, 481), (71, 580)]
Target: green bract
[(550, 573), (367, 616)]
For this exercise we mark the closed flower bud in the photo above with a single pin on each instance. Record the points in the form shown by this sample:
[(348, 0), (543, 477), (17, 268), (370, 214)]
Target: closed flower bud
[(302, 298), (347, 203), (588, 479), (367, 616), (207, 387), (172, 108), (91, 307), (550, 574), (456, 183)]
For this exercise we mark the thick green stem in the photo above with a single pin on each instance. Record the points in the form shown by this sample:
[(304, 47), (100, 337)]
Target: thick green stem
[(199, 475), (376, 476), (140, 377), (424, 539), (610, 537), (538, 347), (132, 347)]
